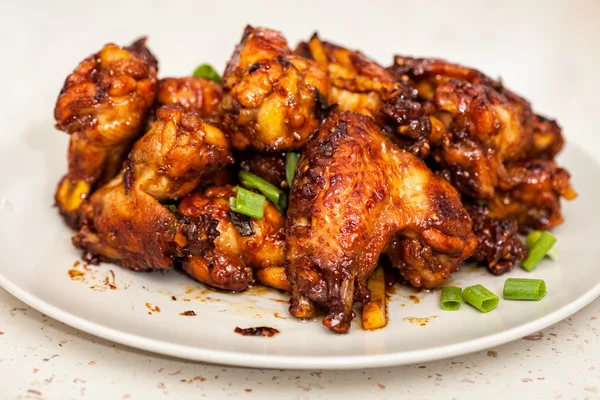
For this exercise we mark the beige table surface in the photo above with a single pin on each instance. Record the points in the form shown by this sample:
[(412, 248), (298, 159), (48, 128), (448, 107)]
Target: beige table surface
[(549, 51)]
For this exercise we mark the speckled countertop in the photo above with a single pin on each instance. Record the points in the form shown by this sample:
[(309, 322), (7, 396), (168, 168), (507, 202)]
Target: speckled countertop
[(555, 41), (41, 358)]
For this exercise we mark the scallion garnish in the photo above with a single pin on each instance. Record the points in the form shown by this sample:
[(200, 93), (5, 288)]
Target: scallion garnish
[(271, 192), (172, 208), (248, 203), (208, 72), (480, 298), (538, 251), (451, 298), (533, 237), (291, 161), (524, 289)]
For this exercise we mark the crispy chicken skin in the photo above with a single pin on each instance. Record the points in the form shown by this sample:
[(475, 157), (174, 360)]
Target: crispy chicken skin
[(125, 222), (102, 106), (197, 94), (243, 244), (273, 99), (357, 83), (355, 195)]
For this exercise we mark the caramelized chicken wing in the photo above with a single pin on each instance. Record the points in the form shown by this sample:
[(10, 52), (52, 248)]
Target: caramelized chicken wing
[(478, 126), (197, 94), (357, 83), (532, 195), (243, 244), (356, 195), (102, 106), (125, 222), (273, 99)]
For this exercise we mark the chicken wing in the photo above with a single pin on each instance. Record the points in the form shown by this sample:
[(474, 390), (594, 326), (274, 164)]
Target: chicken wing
[(193, 93), (532, 196), (356, 195), (357, 83), (273, 99), (269, 166), (125, 222), (243, 244), (102, 106)]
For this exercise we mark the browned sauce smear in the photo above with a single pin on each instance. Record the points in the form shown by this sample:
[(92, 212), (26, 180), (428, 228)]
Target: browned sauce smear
[(153, 309), (414, 299), (265, 331), (188, 313)]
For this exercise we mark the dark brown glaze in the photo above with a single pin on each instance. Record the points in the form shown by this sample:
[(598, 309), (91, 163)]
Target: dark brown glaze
[(102, 105), (498, 246), (273, 99), (188, 313), (230, 263), (200, 95), (270, 167), (264, 331), (355, 196), (357, 83), (125, 222), (532, 194)]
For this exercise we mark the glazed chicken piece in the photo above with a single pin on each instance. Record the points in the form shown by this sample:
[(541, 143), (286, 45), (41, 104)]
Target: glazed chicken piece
[(357, 83), (354, 196), (243, 244), (273, 99), (498, 246), (193, 93), (102, 106), (532, 196), (125, 222)]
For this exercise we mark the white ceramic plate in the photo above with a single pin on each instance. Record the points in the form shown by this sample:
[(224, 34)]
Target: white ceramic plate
[(37, 266)]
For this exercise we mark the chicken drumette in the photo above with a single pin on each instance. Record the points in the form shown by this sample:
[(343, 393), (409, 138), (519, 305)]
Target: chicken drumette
[(125, 222), (357, 83), (245, 248), (273, 99), (356, 195), (102, 106)]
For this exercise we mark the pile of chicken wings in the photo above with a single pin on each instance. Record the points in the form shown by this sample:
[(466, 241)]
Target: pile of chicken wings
[(421, 166)]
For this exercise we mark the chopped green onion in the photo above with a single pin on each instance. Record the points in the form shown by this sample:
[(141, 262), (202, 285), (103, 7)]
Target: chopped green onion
[(480, 298), (172, 208), (208, 72), (248, 203), (538, 251), (271, 192), (451, 298), (533, 237), (524, 289), (291, 161)]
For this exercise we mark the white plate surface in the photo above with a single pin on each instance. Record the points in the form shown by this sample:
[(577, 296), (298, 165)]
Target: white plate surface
[(36, 258)]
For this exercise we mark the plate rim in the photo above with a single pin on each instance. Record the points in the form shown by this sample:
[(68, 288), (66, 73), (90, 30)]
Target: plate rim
[(298, 362)]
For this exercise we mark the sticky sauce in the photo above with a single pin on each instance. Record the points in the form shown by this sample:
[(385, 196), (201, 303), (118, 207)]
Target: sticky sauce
[(264, 331), (153, 309), (188, 313)]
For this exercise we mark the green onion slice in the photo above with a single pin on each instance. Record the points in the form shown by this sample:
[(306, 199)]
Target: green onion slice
[(451, 298), (172, 208), (291, 161), (533, 237), (248, 203), (538, 251), (208, 72), (524, 289), (480, 298), (271, 192)]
